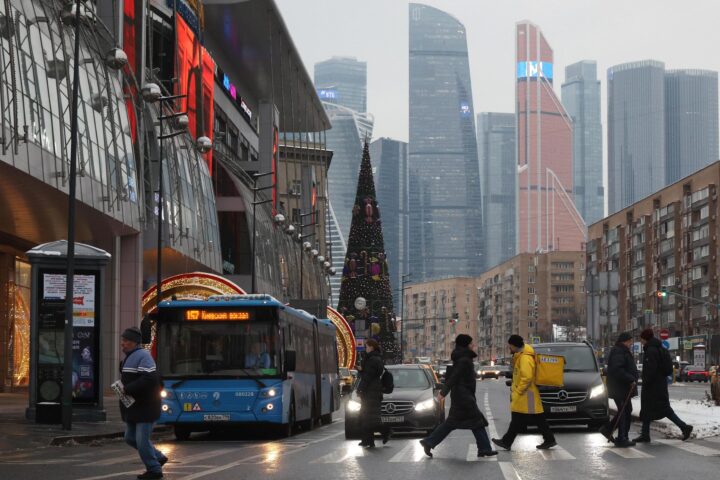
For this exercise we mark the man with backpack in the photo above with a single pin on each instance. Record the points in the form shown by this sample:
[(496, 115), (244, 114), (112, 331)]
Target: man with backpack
[(654, 396), (464, 411), (370, 391)]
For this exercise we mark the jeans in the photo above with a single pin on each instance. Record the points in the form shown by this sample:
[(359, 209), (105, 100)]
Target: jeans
[(623, 418), (672, 416), (519, 421), (137, 435), (443, 430)]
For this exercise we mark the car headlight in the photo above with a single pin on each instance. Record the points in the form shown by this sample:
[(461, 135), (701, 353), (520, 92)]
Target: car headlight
[(425, 405), (597, 391), (268, 393), (353, 406)]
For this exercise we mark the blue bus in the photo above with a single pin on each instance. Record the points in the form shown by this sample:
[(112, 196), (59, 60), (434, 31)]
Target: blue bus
[(235, 360)]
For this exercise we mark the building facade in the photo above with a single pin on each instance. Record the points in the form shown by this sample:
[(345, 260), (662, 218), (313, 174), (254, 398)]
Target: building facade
[(435, 313), (581, 99), (498, 173), (636, 132), (343, 81), (445, 200), (391, 184), (547, 216), (691, 122), (667, 240), (540, 297)]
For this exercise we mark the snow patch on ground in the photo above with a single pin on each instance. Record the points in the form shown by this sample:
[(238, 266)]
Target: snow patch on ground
[(704, 417)]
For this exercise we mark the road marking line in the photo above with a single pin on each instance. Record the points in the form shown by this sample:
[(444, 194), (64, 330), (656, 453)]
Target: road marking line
[(342, 454), (201, 456), (472, 455), (556, 453), (691, 447), (508, 471), (412, 452), (629, 452), (490, 418), (112, 461)]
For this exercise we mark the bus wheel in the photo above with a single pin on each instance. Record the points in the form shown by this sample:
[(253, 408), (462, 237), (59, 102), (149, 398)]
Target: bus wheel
[(309, 424), (286, 429), (181, 434), (327, 418)]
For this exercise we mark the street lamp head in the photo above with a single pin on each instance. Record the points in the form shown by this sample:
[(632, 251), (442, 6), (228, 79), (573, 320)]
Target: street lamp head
[(326, 264), (320, 259), (203, 145), (298, 237), (307, 246), (314, 252), (279, 219), (182, 122), (290, 229), (116, 59), (332, 271), (70, 11), (151, 92)]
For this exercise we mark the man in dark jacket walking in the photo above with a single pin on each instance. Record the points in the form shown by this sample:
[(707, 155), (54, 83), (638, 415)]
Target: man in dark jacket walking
[(464, 411), (654, 397), (370, 392), (622, 377), (140, 381)]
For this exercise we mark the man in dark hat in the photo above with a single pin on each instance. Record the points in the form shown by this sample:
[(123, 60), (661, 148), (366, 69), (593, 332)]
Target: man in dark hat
[(525, 402), (654, 396), (622, 377), (464, 412), (140, 381)]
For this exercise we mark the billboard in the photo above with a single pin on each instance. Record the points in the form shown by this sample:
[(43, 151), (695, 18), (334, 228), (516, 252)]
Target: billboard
[(534, 69)]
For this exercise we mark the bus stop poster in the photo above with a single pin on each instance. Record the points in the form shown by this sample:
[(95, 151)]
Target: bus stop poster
[(83, 296)]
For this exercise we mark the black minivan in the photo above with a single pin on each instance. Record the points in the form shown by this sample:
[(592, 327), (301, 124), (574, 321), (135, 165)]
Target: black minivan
[(583, 397)]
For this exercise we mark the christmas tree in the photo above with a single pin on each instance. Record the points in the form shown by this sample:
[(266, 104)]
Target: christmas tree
[(365, 293)]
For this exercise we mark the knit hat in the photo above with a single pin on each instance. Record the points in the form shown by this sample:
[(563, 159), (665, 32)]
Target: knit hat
[(463, 340), (647, 334), (516, 341), (624, 337), (132, 334)]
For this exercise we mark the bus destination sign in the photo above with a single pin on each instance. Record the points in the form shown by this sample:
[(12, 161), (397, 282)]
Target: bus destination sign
[(217, 315)]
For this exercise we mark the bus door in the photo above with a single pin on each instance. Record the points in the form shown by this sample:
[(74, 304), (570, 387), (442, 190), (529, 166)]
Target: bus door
[(318, 370)]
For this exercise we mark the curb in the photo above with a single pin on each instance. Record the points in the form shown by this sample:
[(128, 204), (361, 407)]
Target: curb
[(84, 439)]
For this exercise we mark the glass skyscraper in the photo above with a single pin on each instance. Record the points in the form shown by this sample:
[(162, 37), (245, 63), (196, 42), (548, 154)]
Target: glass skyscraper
[(636, 132), (445, 202), (691, 122), (498, 171), (581, 99), (342, 81), (391, 185)]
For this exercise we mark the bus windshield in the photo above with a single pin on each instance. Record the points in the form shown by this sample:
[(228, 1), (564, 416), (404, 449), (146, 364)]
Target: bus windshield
[(217, 349)]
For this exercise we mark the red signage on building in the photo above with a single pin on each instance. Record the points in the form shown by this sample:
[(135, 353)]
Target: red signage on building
[(664, 334)]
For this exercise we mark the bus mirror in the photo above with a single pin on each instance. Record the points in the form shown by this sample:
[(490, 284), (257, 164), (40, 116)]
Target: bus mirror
[(290, 360), (146, 328)]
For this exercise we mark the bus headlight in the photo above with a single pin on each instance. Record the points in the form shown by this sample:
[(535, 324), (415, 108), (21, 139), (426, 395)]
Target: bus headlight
[(268, 393), (597, 391), (353, 406), (168, 394), (165, 408), (425, 405)]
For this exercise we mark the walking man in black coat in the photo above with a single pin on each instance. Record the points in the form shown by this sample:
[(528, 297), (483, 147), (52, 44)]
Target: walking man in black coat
[(622, 377), (654, 396), (464, 411), (370, 392)]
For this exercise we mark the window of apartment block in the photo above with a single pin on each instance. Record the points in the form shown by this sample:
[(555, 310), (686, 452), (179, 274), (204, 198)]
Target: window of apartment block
[(531, 268), (531, 279), (701, 233), (531, 290)]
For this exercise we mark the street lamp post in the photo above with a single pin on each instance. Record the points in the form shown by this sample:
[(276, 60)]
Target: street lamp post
[(255, 203), (403, 325)]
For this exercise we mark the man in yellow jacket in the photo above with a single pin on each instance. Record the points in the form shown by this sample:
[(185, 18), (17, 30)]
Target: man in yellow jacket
[(525, 404)]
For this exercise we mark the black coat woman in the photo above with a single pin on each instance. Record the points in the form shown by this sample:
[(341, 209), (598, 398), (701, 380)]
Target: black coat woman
[(464, 411), (369, 391)]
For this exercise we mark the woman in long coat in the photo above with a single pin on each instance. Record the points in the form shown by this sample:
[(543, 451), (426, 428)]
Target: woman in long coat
[(369, 391)]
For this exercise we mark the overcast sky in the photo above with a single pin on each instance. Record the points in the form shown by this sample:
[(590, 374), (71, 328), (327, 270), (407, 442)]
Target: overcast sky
[(681, 34)]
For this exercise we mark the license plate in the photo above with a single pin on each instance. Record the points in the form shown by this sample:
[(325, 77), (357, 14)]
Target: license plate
[(216, 418), (393, 419), (563, 409)]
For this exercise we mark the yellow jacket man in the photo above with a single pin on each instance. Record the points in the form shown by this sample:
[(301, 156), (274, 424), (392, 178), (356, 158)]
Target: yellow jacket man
[(525, 397), (525, 404)]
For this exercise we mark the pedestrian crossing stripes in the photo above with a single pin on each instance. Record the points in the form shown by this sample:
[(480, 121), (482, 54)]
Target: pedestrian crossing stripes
[(692, 448), (629, 452), (472, 455), (556, 453)]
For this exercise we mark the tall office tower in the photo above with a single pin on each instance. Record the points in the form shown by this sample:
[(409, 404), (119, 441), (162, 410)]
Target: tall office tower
[(547, 216), (581, 99), (391, 185), (343, 81), (691, 122), (636, 132), (337, 246), (445, 213), (498, 172)]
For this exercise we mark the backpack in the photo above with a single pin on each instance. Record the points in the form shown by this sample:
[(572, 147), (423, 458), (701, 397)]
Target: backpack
[(387, 381), (666, 364)]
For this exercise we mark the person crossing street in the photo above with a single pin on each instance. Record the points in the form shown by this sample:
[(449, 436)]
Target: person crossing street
[(464, 411), (525, 403), (370, 392), (622, 377)]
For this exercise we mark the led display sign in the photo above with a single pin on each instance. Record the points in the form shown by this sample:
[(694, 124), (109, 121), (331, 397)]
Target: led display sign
[(465, 108), (217, 315), (328, 94), (535, 70), (232, 91)]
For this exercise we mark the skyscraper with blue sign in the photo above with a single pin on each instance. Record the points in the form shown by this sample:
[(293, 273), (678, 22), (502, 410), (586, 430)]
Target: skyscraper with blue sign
[(445, 210), (581, 99), (342, 81)]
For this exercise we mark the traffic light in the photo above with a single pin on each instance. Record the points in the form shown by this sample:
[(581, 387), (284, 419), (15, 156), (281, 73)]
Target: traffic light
[(662, 293), (455, 318)]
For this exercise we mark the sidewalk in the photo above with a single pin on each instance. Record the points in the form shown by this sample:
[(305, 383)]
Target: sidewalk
[(704, 417), (17, 433)]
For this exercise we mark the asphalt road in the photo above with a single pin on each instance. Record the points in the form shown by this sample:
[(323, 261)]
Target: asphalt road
[(325, 454)]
